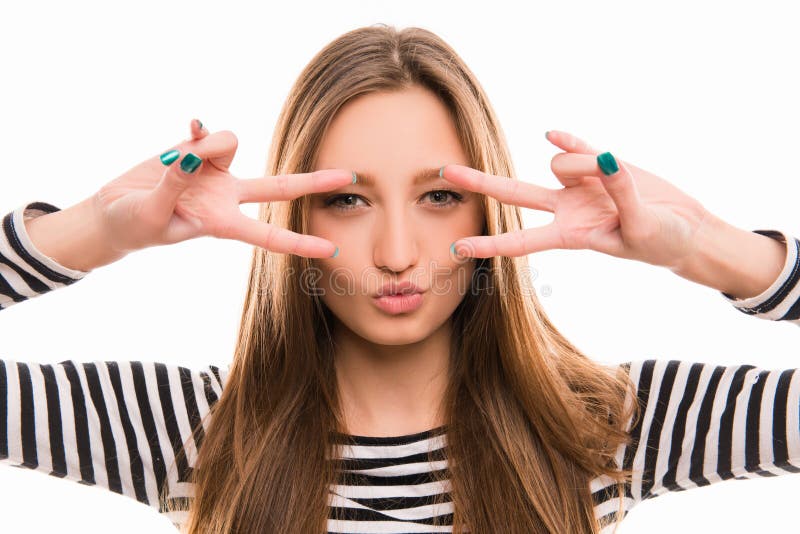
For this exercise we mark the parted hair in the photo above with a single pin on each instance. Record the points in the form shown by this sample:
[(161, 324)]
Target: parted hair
[(530, 419)]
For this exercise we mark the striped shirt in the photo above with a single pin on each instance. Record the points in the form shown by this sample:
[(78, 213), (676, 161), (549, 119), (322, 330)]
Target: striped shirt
[(119, 425)]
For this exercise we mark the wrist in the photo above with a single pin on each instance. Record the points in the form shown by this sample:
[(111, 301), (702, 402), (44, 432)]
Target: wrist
[(72, 237), (737, 262)]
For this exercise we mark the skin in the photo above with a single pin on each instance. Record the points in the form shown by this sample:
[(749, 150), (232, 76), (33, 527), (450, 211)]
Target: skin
[(152, 204), (392, 369), (631, 214)]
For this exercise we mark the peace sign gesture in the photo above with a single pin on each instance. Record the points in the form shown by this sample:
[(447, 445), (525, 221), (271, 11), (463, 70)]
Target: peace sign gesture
[(628, 213), (188, 191)]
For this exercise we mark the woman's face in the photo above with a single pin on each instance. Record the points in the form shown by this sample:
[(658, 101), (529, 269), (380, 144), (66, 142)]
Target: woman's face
[(393, 225)]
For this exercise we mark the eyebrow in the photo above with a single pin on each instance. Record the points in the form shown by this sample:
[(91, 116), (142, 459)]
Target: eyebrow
[(422, 176)]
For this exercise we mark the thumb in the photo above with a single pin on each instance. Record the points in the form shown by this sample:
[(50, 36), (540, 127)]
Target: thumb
[(176, 178), (621, 187)]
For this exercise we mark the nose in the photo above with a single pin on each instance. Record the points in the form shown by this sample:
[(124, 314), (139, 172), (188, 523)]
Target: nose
[(396, 240)]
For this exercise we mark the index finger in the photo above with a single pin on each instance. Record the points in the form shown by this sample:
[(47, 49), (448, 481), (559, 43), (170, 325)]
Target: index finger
[(507, 190), (289, 186)]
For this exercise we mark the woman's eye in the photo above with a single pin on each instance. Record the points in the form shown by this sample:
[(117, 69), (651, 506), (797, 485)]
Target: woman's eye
[(437, 196), (334, 202), (440, 193)]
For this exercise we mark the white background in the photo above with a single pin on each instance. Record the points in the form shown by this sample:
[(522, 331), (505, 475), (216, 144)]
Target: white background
[(703, 94)]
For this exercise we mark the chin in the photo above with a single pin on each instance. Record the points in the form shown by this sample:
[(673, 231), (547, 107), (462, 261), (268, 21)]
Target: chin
[(394, 340), (392, 330)]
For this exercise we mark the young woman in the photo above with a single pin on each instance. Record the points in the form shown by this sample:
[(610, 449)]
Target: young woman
[(455, 405)]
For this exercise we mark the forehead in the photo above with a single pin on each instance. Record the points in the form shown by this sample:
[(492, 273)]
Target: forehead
[(392, 132), (418, 177)]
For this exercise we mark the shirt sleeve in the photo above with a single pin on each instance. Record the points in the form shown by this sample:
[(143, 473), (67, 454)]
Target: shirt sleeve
[(781, 300), (702, 423), (25, 271), (117, 425)]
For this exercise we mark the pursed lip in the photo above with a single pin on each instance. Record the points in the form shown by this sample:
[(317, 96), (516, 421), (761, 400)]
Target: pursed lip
[(402, 288)]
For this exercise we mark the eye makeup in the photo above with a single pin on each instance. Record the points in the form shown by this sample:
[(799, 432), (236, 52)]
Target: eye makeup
[(455, 198)]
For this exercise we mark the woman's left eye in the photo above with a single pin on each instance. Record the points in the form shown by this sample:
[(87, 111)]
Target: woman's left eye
[(437, 193), (456, 198)]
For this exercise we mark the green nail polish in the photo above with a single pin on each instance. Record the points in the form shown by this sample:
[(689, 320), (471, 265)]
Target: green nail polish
[(441, 172), (169, 156), (335, 252), (354, 176), (607, 163), (453, 248), (545, 134), (189, 163), (199, 124)]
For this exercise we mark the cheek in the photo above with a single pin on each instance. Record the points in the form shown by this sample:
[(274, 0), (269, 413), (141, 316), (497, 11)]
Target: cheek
[(316, 225), (344, 286), (349, 233), (458, 283)]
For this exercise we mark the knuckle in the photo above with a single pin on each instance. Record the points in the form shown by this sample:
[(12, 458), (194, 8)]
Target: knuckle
[(222, 230), (642, 233), (521, 239), (482, 178), (270, 237), (229, 137), (295, 245), (556, 162), (103, 193), (283, 185), (174, 181), (553, 165)]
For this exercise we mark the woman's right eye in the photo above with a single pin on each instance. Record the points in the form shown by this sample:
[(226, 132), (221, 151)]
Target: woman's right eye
[(332, 201)]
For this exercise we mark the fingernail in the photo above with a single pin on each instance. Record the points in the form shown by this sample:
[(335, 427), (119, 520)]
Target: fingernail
[(169, 156), (545, 134), (189, 163), (354, 176), (453, 248), (335, 252), (199, 124), (607, 163), (441, 172)]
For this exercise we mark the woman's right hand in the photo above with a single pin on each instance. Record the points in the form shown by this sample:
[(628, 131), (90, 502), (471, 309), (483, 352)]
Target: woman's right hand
[(151, 205)]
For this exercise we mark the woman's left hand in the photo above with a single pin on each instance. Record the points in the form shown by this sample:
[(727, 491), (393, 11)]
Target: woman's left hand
[(631, 214)]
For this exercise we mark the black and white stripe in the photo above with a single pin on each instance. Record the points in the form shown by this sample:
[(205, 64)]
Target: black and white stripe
[(704, 423), (387, 484), (120, 424), (114, 424), (24, 271)]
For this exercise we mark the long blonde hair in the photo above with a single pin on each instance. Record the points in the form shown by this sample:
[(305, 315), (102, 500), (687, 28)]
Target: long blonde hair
[(535, 417)]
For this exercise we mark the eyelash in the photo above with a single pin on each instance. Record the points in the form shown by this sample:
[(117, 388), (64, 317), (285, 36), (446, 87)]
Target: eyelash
[(456, 198)]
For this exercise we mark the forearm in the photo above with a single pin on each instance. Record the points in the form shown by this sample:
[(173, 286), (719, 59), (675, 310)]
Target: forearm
[(72, 237), (738, 262)]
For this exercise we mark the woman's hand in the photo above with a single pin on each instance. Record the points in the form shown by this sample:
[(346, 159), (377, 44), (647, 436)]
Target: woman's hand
[(630, 214), (152, 205)]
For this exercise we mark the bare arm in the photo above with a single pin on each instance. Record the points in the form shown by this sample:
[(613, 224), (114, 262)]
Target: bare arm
[(737, 262), (73, 237)]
